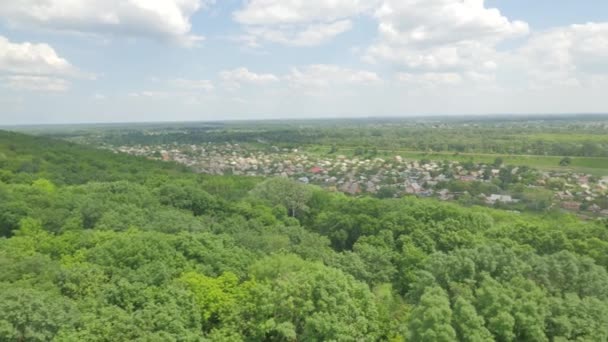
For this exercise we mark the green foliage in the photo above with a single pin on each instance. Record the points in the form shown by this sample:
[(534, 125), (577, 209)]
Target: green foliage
[(215, 297), (282, 191), (296, 298), (44, 186), (541, 140), (150, 252), (468, 324), (187, 197), (566, 161), (32, 315), (431, 319)]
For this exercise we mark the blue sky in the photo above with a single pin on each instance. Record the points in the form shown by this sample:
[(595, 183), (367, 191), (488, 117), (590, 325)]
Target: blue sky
[(163, 60)]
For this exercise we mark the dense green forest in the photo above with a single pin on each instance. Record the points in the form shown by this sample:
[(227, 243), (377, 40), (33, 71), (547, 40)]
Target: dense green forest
[(97, 246)]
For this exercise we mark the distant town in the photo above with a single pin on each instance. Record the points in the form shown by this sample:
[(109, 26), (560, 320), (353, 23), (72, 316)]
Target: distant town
[(505, 186)]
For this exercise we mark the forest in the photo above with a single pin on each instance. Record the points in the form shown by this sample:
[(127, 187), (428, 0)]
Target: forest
[(100, 246)]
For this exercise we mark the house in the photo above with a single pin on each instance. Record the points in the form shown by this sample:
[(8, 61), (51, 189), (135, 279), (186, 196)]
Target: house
[(413, 188), (570, 205), (468, 178), (494, 198), (354, 189), (564, 195), (583, 180), (445, 195), (350, 188), (441, 178), (316, 170), (426, 193), (165, 155)]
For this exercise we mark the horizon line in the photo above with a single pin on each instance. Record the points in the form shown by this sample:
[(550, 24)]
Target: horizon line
[(331, 118)]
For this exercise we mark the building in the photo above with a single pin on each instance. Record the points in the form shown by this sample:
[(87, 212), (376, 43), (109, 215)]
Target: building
[(494, 198), (576, 206), (413, 188), (316, 170)]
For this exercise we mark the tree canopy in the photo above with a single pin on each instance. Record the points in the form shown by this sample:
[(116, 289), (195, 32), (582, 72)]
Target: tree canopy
[(97, 246)]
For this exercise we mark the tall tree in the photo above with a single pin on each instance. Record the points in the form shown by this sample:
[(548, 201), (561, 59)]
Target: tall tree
[(431, 319), (282, 191), (469, 325)]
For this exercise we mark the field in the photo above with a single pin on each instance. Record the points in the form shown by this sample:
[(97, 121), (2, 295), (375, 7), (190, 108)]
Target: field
[(596, 166)]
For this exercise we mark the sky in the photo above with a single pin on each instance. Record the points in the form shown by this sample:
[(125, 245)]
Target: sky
[(89, 61)]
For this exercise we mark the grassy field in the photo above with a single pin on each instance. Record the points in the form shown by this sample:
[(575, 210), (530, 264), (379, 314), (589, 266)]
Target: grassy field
[(565, 137), (594, 166)]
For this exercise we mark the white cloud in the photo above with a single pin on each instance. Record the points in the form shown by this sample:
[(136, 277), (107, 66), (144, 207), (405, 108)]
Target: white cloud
[(35, 66), (150, 94), (311, 77), (28, 58), (441, 35), (299, 23), (323, 76), (233, 79), (193, 85), (563, 69), (161, 19), (310, 35), (177, 89), (271, 12), (571, 56), (430, 79), (35, 83)]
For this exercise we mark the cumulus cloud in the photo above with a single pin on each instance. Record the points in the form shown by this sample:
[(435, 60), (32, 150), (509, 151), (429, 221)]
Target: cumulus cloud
[(300, 23), (572, 55), (167, 20), (430, 79), (310, 35), (270, 12), (31, 58), (35, 66), (233, 79), (441, 35)]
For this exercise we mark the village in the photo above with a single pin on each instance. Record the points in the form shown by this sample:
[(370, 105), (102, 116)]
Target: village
[(498, 185)]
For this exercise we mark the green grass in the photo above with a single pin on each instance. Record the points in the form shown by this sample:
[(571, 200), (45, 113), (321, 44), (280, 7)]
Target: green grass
[(569, 137), (592, 165)]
